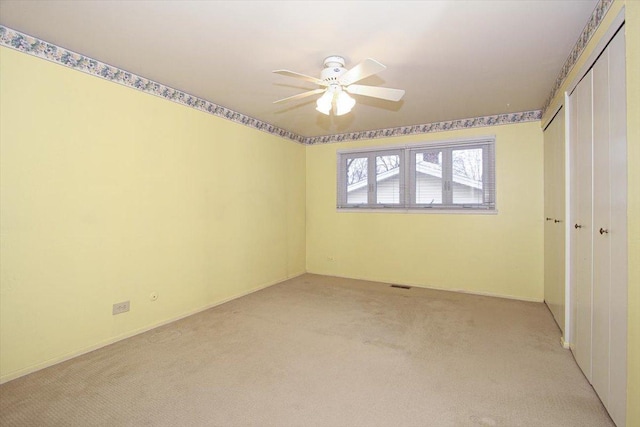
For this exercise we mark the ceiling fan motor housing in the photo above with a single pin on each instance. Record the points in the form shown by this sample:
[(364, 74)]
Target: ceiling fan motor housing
[(334, 68)]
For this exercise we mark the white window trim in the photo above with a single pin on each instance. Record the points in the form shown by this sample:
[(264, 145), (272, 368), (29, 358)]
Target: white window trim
[(406, 183)]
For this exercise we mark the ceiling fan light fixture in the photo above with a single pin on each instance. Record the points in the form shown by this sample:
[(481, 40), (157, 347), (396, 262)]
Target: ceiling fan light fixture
[(323, 104), (344, 103)]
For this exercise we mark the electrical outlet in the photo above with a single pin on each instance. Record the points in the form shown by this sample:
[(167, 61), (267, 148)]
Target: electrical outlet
[(121, 307)]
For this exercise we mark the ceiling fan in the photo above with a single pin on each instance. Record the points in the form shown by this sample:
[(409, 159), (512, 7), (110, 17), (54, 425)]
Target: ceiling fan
[(337, 82)]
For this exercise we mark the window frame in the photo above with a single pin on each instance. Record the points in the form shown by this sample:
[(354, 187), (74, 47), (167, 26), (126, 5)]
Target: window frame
[(407, 177), (372, 184)]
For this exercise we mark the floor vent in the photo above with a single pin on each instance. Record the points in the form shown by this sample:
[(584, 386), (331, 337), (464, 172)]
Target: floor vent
[(401, 286)]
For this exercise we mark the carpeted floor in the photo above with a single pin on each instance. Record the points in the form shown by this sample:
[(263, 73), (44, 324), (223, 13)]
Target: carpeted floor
[(323, 351)]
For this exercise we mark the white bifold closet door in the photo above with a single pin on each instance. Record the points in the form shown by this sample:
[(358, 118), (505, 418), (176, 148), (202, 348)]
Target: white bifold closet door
[(610, 229), (582, 218), (554, 213), (599, 233)]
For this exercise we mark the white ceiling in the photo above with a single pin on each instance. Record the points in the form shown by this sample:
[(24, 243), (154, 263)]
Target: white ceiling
[(455, 59)]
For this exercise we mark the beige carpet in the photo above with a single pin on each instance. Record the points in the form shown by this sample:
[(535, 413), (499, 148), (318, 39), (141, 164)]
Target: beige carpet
[(321, 351)]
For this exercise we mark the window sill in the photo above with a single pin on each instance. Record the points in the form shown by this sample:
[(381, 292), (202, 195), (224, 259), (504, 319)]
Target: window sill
[(421, 211)]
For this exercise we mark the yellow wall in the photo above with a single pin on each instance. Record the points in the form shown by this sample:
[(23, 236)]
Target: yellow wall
[(109, 194), (632, 38), (494, 254)]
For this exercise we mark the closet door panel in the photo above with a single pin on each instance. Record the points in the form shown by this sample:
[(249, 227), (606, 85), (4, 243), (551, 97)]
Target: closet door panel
[(601, 221), (549, 289), (573, 209), (554, 288), (559, 208), (583, 218), (618, 230)]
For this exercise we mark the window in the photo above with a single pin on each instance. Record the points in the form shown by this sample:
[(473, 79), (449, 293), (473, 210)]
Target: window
[(455, 175)]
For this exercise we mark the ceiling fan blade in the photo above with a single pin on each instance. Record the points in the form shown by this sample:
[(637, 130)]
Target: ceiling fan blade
[(300, 95), (376, 92), (301, 76), (366, 68)]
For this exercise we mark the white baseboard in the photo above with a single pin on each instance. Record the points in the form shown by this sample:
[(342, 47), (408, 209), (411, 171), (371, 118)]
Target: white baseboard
[(564, 343), (54, 361)]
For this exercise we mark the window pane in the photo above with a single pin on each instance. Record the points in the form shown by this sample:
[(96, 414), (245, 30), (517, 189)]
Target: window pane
[(388, 179), (357, 184), (428, 177), (467, 176)]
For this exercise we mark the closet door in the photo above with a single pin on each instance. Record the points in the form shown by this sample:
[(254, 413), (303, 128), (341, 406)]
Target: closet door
[(599, 234), (554, 211), (601, 221), (610, 234), (582, 215)]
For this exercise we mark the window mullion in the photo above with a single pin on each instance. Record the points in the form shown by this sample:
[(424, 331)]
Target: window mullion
[(447, 177), (372, 180), (408, 196), (489, 175), (342, 180), (485, 175)]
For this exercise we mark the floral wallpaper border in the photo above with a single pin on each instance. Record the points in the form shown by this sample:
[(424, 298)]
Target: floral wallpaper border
[(33, 46), (500, 119), (594, 22)]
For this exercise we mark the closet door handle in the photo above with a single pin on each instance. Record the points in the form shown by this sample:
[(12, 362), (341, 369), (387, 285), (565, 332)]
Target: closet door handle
[(556, 221), (604, 231), (577, 226), (548, 219)]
